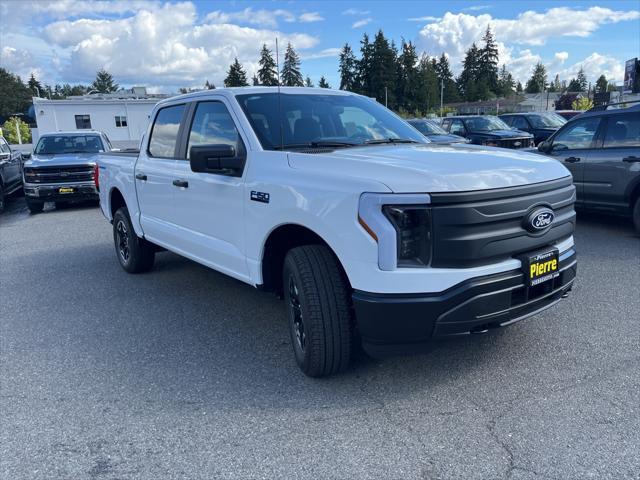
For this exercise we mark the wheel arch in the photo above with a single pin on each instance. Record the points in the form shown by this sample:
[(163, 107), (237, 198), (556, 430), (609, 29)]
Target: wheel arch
[(116, 201), (278, 242)]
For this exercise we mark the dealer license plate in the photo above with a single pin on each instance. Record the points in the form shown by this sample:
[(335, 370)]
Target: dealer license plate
[(541, 267), (65, 190)]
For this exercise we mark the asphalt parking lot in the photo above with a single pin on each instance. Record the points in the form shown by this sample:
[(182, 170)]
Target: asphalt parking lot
[(185, 373)]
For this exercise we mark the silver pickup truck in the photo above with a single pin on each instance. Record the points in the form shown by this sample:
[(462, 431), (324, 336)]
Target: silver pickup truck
[(62, 168)]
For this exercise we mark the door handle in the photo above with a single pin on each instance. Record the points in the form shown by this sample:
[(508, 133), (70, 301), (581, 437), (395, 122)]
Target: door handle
[(141, 176), (181, 183), (631, 159), (572, 159)]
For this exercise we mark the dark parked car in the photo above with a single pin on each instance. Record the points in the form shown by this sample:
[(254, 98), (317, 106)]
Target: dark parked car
[(540, 124), (62, 168), (602, 151), (487, 130), (434, 132), (10, 171)]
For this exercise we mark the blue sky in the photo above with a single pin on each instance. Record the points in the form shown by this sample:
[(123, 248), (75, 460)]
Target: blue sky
[(167, 45)]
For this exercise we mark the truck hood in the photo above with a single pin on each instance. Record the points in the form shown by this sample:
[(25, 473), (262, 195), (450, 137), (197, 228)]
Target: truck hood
[(434, 168), (64, 159)]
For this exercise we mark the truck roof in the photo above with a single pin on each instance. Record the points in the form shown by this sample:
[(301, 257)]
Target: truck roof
[(231, 92), (72, 132)]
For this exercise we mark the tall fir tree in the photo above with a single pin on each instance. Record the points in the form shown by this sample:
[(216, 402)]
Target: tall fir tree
[(365, 67), (104, 82), (348, 68), (602, 84), (488, 62), (290, 74), (538, 81), (209, 86), (470, 85), (582, 80), (446, 77), (267, 73), (506, 84), (427, 97), (35, 86), (323, 83), (308, 82), (383, 71), (236, 76), (407, 81), (519, 89)]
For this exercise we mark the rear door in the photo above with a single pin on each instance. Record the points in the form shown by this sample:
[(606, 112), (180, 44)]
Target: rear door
[(572, 146), (210, 206), (613, 169), (154, 173)]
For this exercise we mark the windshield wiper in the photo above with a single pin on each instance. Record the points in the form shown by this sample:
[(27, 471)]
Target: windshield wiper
[(380, 141), (316, 144)]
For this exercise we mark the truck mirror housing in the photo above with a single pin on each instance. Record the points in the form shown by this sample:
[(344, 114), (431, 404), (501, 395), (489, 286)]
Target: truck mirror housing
[(220, 159)]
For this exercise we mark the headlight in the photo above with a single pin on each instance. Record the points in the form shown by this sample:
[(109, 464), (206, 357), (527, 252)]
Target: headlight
[(29, 174), (413, 227), (401, 226)]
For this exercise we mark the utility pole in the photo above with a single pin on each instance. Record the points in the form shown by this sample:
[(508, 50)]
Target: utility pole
[(441, 94), (385, 96)]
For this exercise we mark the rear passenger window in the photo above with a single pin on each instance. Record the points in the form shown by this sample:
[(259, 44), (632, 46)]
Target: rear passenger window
[(520, 123), (164, 134), (213, 125), (623, 131)]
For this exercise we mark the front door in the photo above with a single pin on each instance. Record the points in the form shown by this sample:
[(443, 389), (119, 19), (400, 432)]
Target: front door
[(210, 206), (609, 170), (572, 146), (10, 162), (154, 174)]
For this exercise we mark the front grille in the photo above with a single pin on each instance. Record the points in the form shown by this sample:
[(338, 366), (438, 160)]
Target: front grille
[(477, 228), (71, 174), (524, 142)]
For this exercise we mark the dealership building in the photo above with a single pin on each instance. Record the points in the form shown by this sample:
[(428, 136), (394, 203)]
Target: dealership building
[(123, 116)]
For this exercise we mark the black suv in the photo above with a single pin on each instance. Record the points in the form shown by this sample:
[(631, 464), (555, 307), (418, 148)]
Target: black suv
[(540, 124), (601, 148), (487, 130)]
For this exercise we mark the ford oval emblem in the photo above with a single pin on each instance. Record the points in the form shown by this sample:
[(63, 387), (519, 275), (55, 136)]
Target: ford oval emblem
[(540, 219)]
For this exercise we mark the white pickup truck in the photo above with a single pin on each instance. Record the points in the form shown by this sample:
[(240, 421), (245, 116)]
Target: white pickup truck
[(373, 236)]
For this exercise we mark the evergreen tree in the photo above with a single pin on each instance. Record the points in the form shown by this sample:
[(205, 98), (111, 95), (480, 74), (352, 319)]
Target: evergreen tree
[(104, 82), (445, 76), (556, 85), (488, 62), (365, 67), (506, 84), (308, 82), (601, 84), (323, 83), (35, 86), (581, 79), (382, 76), (15, 96), (348, 69), (538, 81), (470, 84), (267, 73), (209, 86), (427, 95), (407, 82), (574, 85), (519, 89), (254, 81), (290, 75), (236, 76)]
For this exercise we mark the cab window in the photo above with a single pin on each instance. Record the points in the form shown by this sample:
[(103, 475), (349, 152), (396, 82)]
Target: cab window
[(212, 125), (164, 134), (457, 127), (519, 123), (578, 134), (623, 131)]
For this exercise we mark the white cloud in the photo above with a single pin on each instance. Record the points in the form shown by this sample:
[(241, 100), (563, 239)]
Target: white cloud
[(326, 53), (355, 11), (475, 8), (595, 65), (171, 47), (362, 22), (262, 17), (18, 61), (310, 17), (427, 18), (561, 57)]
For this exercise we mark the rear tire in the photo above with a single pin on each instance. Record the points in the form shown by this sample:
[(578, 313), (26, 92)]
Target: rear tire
[(320, 317), (636, 215), (35, 207), (135, 254)]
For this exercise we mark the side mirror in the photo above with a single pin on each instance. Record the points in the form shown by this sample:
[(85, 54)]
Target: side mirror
[(220, 159), (544, 147), (26, 156)]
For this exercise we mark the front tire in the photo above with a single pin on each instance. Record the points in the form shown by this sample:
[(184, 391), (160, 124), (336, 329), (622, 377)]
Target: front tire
[(35, 207), (320, 317), (135, 254), (636, 215)]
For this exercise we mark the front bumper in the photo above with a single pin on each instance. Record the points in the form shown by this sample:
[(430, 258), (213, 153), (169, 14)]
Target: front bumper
[(391, 324), (51, 192)]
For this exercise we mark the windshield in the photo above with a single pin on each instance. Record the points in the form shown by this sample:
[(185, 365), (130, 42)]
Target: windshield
[(485, 124), (310, 120), (427, 127), (547, 120), (60, 144)]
